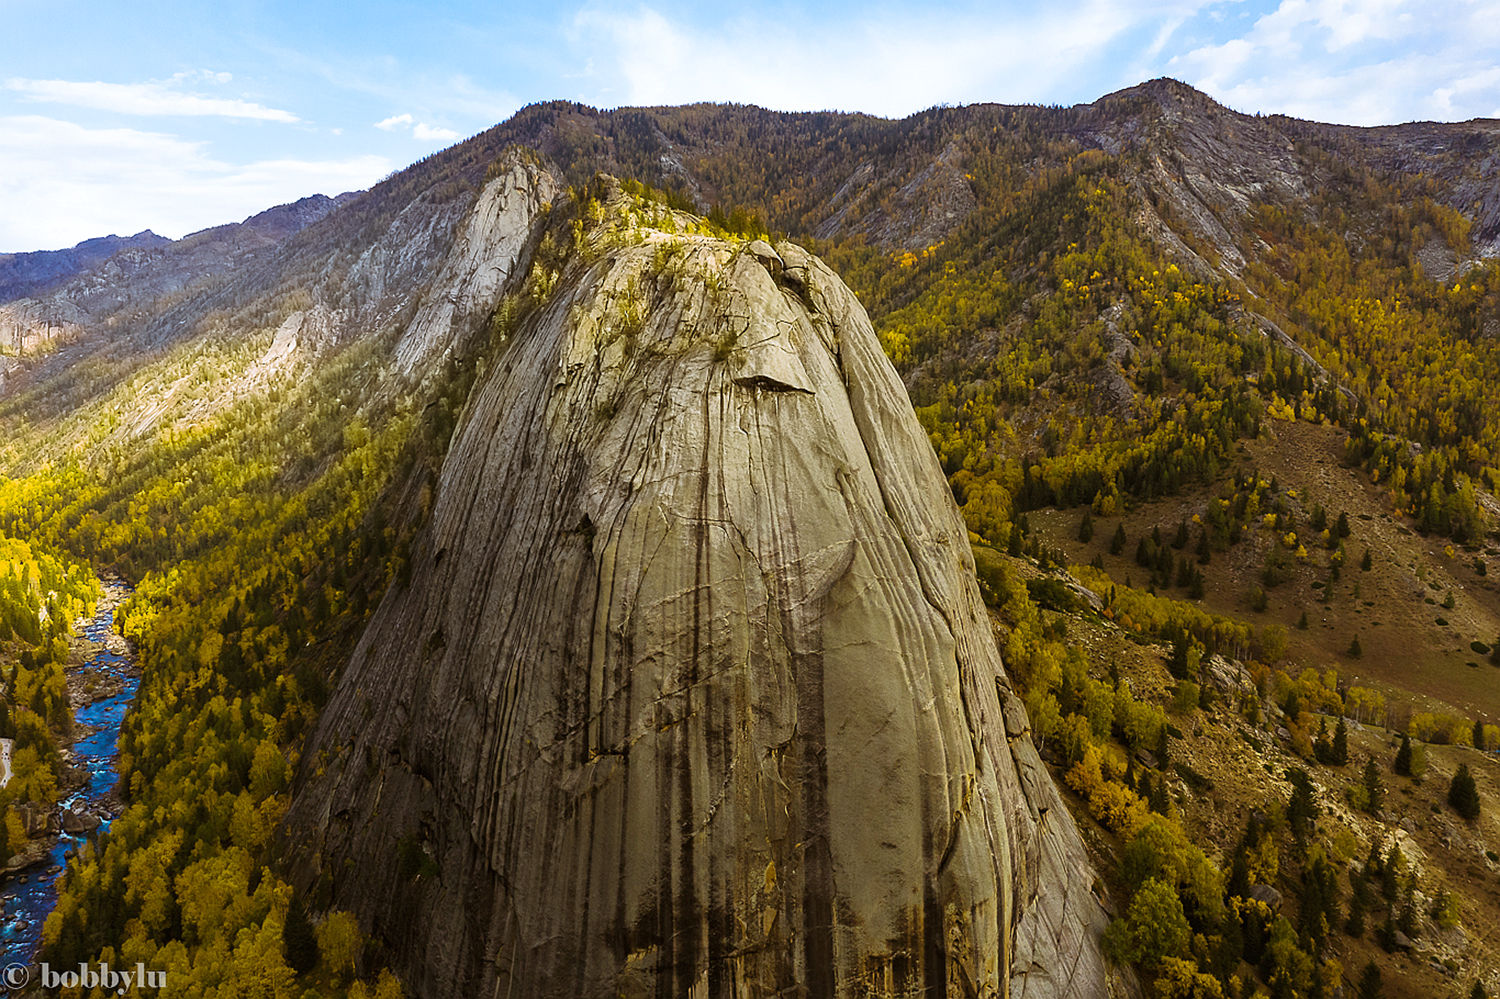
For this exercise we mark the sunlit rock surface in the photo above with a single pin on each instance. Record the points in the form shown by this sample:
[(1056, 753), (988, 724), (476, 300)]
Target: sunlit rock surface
[(691, 690)]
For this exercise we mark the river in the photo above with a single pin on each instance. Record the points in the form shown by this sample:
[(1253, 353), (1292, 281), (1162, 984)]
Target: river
[(29, 895)]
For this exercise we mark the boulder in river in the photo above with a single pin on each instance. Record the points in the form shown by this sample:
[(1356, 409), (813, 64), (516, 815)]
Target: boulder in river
[(76, 823)]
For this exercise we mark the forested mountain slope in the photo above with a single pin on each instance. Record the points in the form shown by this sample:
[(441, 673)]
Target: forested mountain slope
[(1246, 367)]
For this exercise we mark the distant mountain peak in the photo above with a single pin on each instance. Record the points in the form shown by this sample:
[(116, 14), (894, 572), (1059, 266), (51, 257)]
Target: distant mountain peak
[(23, 274), (39, 273)]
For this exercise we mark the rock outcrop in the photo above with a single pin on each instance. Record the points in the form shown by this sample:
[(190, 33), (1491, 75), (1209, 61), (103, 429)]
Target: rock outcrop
[(28, 326), (691, 690), (484, 254)]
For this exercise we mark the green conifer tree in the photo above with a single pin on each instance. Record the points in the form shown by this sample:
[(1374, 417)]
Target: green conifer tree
[(1402, 764), (1463, 793), (298, 939), (1374, 788)]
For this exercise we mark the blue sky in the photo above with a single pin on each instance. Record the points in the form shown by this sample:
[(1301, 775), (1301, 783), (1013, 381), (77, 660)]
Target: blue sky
[(175, 116)]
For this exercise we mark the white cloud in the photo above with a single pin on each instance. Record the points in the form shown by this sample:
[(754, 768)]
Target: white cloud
[(893, 65), (394, 122), (420, 130), (62, 182), (1352, 61), (1477, 83), (424, 132), (154, 97), (1358, 62)]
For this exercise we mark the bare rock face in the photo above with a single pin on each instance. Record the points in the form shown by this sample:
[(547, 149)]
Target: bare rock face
[(692, 691), (479, 265), (27, 325)]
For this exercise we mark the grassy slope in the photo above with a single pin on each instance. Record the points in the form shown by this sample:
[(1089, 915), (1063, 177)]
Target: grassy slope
[(1393, 608)]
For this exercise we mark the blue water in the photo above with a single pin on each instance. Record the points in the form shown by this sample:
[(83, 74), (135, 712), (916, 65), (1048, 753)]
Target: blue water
[(24, 906)]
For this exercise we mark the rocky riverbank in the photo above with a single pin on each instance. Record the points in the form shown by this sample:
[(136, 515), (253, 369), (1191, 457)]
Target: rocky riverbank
[(86, 686), (102, 677)]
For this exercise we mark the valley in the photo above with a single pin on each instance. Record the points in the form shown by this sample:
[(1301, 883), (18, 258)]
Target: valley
[(703, 549)]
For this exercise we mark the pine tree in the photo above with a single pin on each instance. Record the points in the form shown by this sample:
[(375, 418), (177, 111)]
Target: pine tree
[(1239, 875), (1302, 622), (1478, 991), (1463, 794), (1205, 552), (1230, 951), (1342, 530), (1374, 789), (1181, 539), (1317, 902), (1479, 735), (1359, 903), (298, 939), (1407, 921), (1374, 865), (1390, 873), (1161, 800), (1178, 664), (1318, 519), (1117, 543), (1355, 650), (1402, 764), (1322, 748), (1440, 905), (1369, 983), (1301, 809), (1086, 527), (1366, 563)]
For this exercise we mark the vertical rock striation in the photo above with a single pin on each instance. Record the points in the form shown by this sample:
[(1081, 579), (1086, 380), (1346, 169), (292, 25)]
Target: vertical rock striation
[(479, 263), (692, 691)]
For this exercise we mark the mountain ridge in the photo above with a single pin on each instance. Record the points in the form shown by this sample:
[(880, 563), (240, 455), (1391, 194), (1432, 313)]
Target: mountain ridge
[(1130, 312), (26, 272)]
